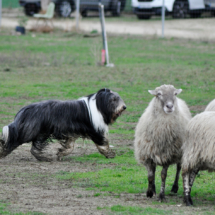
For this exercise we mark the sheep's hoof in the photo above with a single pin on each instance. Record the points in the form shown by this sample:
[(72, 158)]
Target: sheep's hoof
[(149, 193), (154, 189), (174, 188), (191, 201), (161, 197), (188, 201)]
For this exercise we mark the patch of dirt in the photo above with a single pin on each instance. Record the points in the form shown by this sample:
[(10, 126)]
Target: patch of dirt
[(29, 185), (195, 29), (197, 108)]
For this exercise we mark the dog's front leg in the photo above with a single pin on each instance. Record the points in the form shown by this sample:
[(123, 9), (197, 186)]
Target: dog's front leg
[(105, 149)]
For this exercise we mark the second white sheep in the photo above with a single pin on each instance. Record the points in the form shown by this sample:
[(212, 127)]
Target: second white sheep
[(211, 106)]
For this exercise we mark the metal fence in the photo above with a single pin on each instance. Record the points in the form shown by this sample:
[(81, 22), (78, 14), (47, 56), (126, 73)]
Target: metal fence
[(143, 9)]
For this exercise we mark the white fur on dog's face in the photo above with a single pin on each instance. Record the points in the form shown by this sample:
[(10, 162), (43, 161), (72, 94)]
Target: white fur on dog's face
[(104, 108)]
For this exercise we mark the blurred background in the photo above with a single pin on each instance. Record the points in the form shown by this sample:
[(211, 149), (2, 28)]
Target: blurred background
[(143, 9)]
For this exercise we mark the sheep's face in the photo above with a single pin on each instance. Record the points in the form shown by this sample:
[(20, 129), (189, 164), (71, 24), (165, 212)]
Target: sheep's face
[(166, 94)]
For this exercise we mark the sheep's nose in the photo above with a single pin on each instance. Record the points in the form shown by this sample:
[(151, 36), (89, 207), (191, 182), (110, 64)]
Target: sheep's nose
[(124, 107), (169, 106)]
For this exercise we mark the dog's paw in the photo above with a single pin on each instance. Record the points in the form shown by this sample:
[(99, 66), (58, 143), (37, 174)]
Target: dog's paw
[(106, 151), (110, 154)]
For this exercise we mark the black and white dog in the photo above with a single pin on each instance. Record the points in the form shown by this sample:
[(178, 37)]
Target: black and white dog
[(87, 117)]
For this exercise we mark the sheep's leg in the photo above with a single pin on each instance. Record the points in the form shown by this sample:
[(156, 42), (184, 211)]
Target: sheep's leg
[(151, 180), (153, 185), (186, 185), (67, 148), (175, 185), (191, 180), (163, 181)]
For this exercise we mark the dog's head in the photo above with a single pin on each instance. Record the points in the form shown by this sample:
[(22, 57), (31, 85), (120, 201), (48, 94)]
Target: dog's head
[(110, 104)]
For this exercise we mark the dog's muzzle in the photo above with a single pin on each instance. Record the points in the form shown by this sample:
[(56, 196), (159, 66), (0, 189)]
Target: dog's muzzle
[(120, 111)]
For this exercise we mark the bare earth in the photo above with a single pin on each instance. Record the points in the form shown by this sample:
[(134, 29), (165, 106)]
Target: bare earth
[(26, 192), (197, 29)]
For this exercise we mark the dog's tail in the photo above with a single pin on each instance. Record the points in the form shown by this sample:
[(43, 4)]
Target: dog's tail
[(8, 140), (3, 142), (5, 134)]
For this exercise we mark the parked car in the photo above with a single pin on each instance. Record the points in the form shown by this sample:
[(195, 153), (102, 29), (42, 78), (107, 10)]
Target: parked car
[(114, 6), (65, 7), (144, 9)]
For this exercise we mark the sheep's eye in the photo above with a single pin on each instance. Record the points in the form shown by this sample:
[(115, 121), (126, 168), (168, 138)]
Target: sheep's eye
[(159, 94), (176, 94)]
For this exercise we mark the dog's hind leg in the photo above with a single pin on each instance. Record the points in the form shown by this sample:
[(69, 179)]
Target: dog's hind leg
[(67, 148), (3, 151), (41, 151)]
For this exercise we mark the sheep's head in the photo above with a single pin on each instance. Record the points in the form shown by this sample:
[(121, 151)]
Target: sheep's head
[(166, 94)]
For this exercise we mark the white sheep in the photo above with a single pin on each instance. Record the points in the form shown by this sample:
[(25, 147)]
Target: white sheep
[(211, 106), (159, 135), (198, 150)]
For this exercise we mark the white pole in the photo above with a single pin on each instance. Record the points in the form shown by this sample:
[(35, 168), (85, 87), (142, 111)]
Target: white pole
[(163, 18), (105, 36), (77, 13), (0, 11)]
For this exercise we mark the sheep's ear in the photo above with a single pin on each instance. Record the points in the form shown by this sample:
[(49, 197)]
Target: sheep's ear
[(178, 91), (153, 92)]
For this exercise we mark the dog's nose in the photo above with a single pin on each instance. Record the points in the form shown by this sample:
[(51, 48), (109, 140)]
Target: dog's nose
[(124, 107)]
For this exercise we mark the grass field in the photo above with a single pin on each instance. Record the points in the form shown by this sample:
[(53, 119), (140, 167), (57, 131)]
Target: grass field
[(65, 66)]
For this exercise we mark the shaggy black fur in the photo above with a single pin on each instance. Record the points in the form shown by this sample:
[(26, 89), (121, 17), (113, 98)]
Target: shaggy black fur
[(42, 121)]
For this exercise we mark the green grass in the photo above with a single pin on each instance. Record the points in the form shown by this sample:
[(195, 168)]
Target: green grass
[(64, 66), (4, 211), (131, 210), (123, 175)]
